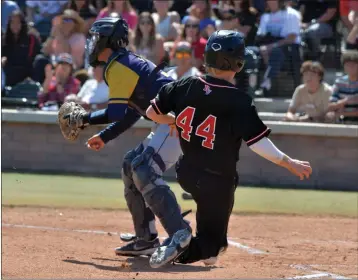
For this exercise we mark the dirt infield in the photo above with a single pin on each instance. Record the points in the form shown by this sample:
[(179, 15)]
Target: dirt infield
[(47, 243)]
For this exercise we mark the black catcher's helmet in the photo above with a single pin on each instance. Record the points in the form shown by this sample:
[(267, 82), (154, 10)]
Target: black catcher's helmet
[(225, 50), (107, 32)]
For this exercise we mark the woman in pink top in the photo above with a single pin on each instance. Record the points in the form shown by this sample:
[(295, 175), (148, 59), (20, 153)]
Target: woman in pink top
[(123, 8), (67, 36)]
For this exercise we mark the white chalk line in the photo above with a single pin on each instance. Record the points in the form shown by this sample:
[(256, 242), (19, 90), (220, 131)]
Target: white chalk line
[(235, 244), (248, 249), (316, 274)]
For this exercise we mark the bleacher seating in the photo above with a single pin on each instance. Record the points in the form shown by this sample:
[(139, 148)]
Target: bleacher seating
[(23, 95)]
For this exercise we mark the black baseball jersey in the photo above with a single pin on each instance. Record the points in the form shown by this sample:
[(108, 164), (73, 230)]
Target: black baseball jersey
[(212, 117)]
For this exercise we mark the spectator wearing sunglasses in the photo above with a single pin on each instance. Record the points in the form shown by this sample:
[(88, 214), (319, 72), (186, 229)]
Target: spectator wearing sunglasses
[(146, 42), (67, 36), (183, 61), (191, 34), (202, 10)]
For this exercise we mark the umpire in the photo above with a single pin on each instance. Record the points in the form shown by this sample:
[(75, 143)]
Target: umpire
[(213, 117)]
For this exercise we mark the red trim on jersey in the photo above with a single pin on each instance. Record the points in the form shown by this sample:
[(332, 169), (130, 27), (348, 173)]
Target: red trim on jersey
[(213, 85), (155, 107), (258, 136)]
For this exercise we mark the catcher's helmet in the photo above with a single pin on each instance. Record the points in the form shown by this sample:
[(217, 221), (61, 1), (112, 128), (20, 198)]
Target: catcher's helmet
[(107, 32), (225, 50)]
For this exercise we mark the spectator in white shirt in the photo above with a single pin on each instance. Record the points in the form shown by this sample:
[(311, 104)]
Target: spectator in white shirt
[(279, 37), (94, 93), (184, 62)]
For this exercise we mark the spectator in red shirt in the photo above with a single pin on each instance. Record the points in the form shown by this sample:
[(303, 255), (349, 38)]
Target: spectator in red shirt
[(345, 8), (60, 83), (191, 34)]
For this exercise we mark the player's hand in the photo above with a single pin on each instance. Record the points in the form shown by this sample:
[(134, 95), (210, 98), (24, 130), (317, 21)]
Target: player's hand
[(299, 168), (95, 143)]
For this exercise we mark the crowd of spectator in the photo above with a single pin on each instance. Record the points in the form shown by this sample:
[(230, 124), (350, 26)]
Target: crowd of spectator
[(44, 42)]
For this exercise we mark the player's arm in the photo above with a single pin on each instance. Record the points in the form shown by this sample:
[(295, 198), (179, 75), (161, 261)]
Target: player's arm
[(255, 133), (164, 103), (121, 82), (117, 128)]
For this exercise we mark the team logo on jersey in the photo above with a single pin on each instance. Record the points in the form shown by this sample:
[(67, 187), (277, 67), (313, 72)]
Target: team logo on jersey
[(207, 90)]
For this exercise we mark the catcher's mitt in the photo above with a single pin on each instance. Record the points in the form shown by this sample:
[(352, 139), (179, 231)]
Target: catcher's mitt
[(70, 119)]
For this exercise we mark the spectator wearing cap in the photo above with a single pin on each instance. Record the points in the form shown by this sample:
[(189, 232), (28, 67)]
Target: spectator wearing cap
[(202, 10), (167, 23), (344, 100), (311, 99), (7, 7), (147, 42), (123, 8), (278, 37), (19, 49), (319, 18), (94, 93), (191, 34), (68, 36), (58, 83), (183, 61), (85, 10)]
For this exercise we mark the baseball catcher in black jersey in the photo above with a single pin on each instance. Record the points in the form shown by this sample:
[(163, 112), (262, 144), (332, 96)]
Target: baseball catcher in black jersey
[(213, 117)]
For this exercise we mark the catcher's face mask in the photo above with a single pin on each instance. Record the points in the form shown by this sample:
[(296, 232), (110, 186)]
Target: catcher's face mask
[(94, 45)]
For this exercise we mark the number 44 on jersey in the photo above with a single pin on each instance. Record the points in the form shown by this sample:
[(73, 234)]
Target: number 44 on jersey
[(205, 130)]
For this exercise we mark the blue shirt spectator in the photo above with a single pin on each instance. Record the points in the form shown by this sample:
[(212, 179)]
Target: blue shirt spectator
[(7, 7), (344, 100)]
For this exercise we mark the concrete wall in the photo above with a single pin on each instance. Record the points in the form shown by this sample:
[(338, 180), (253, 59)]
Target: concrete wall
[(33, 142)]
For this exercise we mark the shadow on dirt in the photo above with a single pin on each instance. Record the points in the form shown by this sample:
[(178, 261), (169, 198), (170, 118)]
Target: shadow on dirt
[(138, 264)]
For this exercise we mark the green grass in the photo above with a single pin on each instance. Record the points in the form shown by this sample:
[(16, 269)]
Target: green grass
[(85, 192)]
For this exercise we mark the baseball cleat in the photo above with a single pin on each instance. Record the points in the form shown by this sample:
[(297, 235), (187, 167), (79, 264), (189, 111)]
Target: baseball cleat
[(128, 237), (138, 247), (165, 254), (213, 260), (210, 261)]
